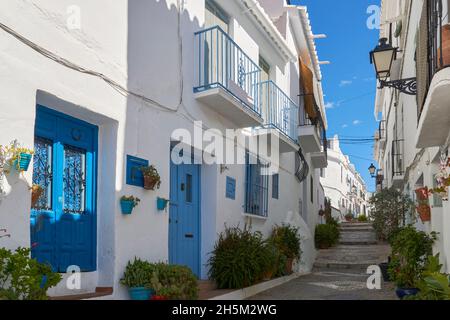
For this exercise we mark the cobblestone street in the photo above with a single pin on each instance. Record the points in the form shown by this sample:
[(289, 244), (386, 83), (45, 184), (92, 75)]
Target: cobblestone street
[(340, 272)]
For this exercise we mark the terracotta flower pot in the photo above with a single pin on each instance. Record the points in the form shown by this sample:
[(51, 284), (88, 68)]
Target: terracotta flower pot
[(424, 212), (289, 263), (35, 195), (422, 193), (150, 183)]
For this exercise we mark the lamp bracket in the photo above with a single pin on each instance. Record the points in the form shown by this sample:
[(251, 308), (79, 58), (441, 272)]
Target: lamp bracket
[(407, 86)]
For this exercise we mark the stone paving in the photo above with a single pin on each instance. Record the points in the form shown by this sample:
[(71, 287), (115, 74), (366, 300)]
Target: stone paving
[(340, 273)]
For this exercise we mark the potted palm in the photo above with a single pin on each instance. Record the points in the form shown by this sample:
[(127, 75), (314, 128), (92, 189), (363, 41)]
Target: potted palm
[(127, 204), (152, 179)]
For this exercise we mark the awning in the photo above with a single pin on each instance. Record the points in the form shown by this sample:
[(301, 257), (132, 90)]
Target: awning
[(307, 89)]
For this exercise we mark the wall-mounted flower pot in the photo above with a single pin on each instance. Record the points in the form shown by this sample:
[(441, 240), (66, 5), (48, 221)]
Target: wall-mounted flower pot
[(424, 211), (126, 206), (422, 193), (140, 293), (161, 204), (23, 161), (150, 183)]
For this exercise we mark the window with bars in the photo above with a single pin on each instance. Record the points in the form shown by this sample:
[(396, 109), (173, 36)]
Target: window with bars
[(257, 186)]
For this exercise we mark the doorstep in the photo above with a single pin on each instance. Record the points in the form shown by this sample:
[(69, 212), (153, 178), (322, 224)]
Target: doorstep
[(248, 292), (99, 292)]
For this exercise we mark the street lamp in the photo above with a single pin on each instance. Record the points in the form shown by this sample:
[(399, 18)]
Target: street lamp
[(382, 57), (372, 170)]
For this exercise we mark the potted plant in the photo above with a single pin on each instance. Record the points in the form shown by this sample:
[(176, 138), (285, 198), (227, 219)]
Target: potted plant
[(410, 249), (137, 277), (424, 210), (36, 192), (287, 241), (127, 203), (152, 179), (348, 217), (18, 157)]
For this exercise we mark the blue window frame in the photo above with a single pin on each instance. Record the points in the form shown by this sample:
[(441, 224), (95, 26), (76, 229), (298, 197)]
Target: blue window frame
[(275, 186), (257, 186), (134, 174)]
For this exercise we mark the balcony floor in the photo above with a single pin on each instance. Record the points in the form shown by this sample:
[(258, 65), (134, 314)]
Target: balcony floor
[(229, 106), (285, 144), (309, 139)]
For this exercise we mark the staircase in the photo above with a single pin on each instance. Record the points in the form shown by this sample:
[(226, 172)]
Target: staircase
[(357, 249)]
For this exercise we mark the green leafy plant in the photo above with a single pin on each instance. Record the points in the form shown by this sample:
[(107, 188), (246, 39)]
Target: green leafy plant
[(135, 200), (239, 259), (24, 278), (137, 274), (151, 177), (390, 208), (287, 240), (326, 235), (410, 249), (174, 282), (363, 218)]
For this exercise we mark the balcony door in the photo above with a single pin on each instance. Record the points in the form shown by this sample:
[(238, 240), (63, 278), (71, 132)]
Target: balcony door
[(265, 89)]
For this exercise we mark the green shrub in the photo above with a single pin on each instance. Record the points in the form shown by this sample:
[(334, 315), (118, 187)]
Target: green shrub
[(24, 278), (362, 218), (174, 282), (138, 274), (287, 241), (410, 250), (326, 235), (239, 259)]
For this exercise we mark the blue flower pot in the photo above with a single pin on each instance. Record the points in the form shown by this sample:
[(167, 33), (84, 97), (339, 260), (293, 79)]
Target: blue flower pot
[(161, 203), (23, 162), (140, 293), (403, 292), (126, 206)]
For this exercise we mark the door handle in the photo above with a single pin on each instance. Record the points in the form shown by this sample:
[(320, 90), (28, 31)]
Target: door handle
[(189, 235)]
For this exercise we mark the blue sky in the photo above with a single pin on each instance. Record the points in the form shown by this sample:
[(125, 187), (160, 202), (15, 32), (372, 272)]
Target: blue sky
[(349, 81)]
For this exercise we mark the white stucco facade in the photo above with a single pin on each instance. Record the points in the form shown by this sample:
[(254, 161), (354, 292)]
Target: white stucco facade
[(421, 129), (343, 185), (147, 48)]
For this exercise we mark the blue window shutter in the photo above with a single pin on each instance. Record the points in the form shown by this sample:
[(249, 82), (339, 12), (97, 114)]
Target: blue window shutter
[(231, 188), (134, 175), (275, 186)]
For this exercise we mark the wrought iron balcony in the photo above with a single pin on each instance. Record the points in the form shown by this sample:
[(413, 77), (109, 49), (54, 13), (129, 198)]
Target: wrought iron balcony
[(278, 110), (226, 78)]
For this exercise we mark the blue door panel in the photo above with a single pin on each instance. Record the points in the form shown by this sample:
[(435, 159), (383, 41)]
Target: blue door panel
[(184, 230), (66, 234)]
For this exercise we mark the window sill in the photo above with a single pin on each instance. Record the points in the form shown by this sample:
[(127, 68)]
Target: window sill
[(251, 215)]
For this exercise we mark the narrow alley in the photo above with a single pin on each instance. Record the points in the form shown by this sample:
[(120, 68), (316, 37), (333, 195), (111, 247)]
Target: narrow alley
[(340, 273)]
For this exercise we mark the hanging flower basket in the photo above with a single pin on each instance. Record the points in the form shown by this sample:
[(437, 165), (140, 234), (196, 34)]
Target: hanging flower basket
[(424, 211)]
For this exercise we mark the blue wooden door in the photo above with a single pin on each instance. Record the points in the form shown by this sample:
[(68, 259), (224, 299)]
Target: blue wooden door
[(63, 221), (184, 216)]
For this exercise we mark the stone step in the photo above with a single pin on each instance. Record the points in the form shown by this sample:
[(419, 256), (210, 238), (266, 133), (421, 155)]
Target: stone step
[(367, 229), (355, 225)]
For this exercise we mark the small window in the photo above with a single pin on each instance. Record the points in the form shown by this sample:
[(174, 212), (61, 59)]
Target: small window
[(257, 186), (189, 188), (275, 186)]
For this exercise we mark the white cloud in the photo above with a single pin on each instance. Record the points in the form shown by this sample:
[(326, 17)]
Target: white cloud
[(330, 105), (344, 83), (344, 126), (356, 122)]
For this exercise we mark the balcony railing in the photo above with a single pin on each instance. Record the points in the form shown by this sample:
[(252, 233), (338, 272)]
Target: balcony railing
[(278, 110), (433, 46), (382, 130), (222, 63), (397, 153)]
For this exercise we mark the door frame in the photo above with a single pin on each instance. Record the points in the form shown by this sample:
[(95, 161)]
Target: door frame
[(93, 200), (199, 220)]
